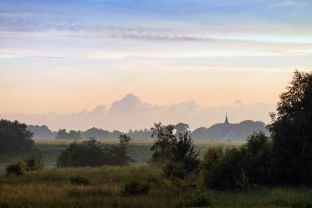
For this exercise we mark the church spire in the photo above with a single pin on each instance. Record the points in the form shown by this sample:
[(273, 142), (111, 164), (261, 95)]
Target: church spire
[(226, 122)]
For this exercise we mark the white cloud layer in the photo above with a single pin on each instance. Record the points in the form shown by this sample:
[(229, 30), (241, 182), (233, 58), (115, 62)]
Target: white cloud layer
[(131, 113)]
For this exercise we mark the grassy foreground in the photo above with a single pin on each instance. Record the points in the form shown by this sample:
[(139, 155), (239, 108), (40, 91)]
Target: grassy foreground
[(51, 188)]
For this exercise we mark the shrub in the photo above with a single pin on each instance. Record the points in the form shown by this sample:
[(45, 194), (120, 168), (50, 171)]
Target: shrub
[(211, 158), (196, 200), (16, 168), (153, 180), (238, 168), (257, 159), (92, 153), (32, 163), (176, 154), (135, 187), (227, 173), (183, 151), (79, 180)]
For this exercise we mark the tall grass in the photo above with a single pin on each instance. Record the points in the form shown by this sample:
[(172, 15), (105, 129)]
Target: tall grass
[(52, 188)]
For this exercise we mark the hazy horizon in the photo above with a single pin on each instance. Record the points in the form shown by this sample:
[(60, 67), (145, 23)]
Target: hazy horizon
[(130, 112)]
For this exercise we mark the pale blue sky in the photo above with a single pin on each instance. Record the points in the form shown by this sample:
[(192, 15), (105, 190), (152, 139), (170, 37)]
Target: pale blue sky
[(67, 55)]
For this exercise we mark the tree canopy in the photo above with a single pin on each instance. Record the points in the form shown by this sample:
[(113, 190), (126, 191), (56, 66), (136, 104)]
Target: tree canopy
[(15, 139), (175, 153), (93, 153), (291, 130)]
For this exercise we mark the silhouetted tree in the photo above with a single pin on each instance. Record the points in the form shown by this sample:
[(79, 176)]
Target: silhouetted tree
[(119, 153), (87, 153), (93, 153), (176, 155), (183, 159), (72, 134), (61, 134), (15, 139), (291, 130), (239, 167), (162, 147), (257, 159), (181, 128)]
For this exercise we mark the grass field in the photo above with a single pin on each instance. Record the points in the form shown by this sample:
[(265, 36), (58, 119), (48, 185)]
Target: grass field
[(51, 188), (139, 150)]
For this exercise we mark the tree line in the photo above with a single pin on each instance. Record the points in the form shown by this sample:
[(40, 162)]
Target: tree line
[(217, 131)]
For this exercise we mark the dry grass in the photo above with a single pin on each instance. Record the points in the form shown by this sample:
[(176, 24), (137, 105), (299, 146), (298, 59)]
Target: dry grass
[(51, 188)]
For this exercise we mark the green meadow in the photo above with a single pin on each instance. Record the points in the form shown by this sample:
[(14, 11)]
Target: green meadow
[(139, 150), (52, 188)]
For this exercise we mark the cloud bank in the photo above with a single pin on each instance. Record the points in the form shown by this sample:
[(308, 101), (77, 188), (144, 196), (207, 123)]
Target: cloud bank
[(131, 113)]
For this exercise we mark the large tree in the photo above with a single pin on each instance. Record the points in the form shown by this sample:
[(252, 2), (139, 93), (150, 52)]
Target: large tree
[(175, 154), (15, 139), (291, 130)]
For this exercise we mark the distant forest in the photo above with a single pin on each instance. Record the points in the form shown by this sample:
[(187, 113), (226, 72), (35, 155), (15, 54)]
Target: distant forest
[(222, 131)]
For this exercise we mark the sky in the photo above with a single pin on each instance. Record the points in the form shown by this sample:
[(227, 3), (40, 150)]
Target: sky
[(64, 56)]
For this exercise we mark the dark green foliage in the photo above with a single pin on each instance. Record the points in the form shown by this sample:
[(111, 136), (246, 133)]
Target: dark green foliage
[(237, 168), (285, 158), (92, 153), (87, 153), (15, 140), (173, 170), (32, 163), (196, 200), (228, 173), (135, 187), (79, 180), (176, 155), (29, 163), (257, 159), (183, 160), (162, 146), (211, 158), (119, 153), (291, 130), (16, 168)]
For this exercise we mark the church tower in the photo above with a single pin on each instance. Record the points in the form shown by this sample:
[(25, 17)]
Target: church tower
[(226, 122)]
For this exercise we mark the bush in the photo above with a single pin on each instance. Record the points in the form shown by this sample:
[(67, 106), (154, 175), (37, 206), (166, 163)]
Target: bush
[(79, 180), (173, 170), (237, 168), (257, 159), (135, 187), (16, 168), (227, 173), (92, 153), (211, 158), (32, 163), (197, 200), (176, 154)]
